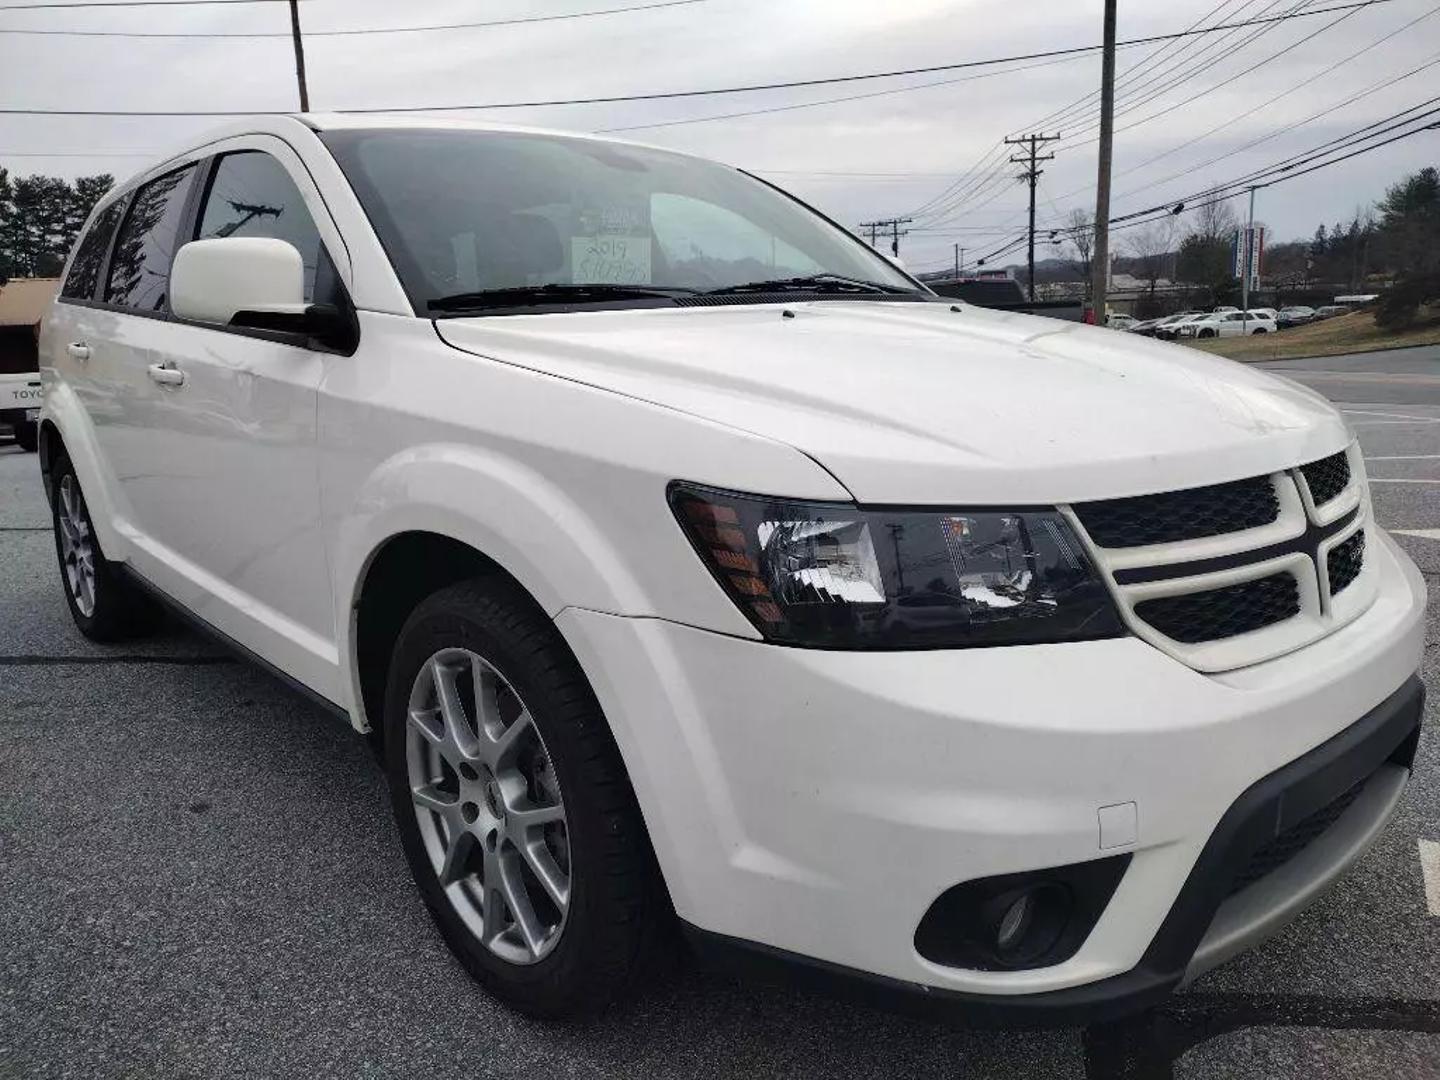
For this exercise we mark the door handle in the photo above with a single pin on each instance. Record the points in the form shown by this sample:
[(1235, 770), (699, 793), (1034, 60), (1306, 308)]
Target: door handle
[(166, 374), (79, 350)]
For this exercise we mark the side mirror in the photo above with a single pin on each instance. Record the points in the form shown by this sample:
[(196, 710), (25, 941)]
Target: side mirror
[(251, 281)]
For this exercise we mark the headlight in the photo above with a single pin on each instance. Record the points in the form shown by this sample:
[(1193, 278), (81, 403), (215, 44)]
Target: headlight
[(835, 576)]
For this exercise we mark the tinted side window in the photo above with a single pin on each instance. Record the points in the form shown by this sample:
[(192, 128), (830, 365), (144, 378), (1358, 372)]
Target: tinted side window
[(85, 267), (140, 267), (251, 194)]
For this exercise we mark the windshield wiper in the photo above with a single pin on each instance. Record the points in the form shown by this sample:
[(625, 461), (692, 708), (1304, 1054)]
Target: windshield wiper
[(553, 293), (811, 283)]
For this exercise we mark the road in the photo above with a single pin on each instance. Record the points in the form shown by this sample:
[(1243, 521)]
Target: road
[(199, 877)]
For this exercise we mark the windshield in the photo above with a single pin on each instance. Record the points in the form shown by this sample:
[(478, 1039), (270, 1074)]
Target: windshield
[(462, 213)]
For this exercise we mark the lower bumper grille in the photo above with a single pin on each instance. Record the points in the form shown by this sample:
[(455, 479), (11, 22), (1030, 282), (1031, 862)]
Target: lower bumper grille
[(1292, 841)]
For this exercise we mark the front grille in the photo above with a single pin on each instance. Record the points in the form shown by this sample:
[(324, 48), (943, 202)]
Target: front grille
[(1293, 840), (1180, 515), (1221, 613), (1327, 477), (1344, 562)]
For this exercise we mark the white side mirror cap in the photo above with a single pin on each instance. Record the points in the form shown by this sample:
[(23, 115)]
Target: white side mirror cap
[(211, 280)]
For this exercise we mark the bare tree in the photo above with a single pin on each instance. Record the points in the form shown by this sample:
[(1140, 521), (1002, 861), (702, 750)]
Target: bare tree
[(1080, 232), (1214, 221), (1151, 247)]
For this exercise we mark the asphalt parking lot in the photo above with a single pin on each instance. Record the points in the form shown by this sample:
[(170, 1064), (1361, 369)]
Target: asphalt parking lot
[(199, 877)]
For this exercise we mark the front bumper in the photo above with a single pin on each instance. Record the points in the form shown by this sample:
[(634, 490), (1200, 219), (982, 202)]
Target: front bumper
[(813, 804)]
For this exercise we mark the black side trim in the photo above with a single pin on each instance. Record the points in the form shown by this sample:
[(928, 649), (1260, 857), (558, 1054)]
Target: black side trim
[(1304, 544), (226, 641), (1388, 733)]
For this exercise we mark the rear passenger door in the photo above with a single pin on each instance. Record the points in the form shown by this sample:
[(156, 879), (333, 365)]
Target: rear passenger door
[(120, 336), (235, 520)]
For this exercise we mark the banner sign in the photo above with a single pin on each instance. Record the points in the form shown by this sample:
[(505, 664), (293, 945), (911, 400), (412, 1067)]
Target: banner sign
[(1247, 250)]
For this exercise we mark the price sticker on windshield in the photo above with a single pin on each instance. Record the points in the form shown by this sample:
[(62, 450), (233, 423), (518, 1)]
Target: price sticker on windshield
[(610, 259)]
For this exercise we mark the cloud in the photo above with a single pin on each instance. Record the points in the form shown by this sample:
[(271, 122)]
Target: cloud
[(938, 129)]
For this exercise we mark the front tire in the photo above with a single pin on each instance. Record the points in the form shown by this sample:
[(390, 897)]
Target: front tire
[(105, 606), (514, 809)]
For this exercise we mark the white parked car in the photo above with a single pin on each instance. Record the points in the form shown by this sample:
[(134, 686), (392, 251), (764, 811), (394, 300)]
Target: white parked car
[(1226, 324), (1171, 328), (1121, 322), (685, 560)]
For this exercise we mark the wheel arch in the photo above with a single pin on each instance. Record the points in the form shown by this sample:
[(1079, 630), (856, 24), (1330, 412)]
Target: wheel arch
[(400, 572), (64, 428), (51, 446), (434, 514)]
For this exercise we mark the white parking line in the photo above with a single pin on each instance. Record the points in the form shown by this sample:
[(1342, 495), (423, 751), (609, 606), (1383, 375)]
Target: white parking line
[(1391, 415), (1399, 480), (1404, 457), (1423, 534), (1430, 868), (1384, 423)]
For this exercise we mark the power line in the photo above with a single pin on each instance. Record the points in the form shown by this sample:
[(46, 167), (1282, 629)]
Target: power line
[(1130, 107), (1211, 89), (129, 4), (765, 110), (669, 95), (1357, 133), (265, 34), (961, 191), (79, 153), (1374, 88), (1278, 173), (1198, 64)]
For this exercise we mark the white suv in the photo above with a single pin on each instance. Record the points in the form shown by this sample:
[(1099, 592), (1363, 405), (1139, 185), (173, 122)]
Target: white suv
[(685, 558), (1227, 324)]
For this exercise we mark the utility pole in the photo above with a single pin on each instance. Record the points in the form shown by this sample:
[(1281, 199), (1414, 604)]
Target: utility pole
[(893, 224), (299, 55), (1100, 256), (1031, 160), (958, 252)]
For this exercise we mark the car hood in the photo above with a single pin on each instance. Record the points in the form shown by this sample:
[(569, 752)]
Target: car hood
[(929, 403)]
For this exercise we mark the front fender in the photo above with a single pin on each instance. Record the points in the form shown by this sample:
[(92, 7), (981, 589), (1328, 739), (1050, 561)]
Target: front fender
[(512, 514)]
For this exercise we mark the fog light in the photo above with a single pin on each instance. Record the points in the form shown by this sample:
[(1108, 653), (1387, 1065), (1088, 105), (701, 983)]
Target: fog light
[(1028, 922), (1019, 921), (1013, 924)]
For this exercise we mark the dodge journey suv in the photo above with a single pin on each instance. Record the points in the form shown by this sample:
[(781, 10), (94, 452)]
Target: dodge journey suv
[(690, 565)]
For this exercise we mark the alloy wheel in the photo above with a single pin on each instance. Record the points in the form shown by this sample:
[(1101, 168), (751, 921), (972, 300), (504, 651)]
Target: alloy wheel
[(77, 546), (488, 805)]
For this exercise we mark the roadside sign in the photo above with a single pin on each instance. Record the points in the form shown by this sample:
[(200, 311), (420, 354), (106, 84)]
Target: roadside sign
[(1247, 250)]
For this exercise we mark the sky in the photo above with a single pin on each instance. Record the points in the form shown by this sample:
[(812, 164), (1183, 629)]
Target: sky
[(892, 152)]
